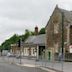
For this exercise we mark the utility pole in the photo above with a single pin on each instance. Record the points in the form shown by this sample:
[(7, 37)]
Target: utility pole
[(62, 39), (62, 35)]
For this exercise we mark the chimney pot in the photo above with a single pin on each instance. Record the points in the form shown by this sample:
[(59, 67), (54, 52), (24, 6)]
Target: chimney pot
[(36, 30)]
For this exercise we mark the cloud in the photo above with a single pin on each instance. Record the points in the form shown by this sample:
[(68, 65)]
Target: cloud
[(65, 4), (18, 15)]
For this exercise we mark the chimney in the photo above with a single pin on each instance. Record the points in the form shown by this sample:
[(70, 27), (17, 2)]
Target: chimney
[(36, 30)]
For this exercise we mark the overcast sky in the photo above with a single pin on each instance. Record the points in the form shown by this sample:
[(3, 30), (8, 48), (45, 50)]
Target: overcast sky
[(18, 15)]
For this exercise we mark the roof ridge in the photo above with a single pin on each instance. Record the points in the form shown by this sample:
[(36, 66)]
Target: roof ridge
[(64, 10)]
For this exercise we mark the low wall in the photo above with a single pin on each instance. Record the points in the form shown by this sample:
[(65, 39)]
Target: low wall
[(67, 57)]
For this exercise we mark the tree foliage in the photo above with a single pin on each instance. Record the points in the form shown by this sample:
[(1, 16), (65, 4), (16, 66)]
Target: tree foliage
[(26, 35), (6, 45), (42, 31)]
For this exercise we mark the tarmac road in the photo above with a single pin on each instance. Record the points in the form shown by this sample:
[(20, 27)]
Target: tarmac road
[(6, 67)]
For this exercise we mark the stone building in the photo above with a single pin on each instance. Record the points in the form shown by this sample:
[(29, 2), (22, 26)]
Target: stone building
[(34, 46), (16, 50), (54, 33)]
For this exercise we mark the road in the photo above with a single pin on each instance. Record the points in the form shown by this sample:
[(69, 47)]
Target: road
[(67, 66), (6, 67)]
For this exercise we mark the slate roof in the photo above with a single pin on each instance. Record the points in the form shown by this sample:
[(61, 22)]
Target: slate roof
[(36, 40), (67, 15)]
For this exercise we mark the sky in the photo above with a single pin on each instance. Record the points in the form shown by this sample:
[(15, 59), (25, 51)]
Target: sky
[(18, 15)]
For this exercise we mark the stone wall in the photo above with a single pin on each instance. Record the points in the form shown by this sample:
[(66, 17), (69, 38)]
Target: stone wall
[(54, 33)]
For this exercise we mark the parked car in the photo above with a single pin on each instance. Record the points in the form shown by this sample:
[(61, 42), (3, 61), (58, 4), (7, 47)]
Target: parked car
[(4, 52), (10, 54)]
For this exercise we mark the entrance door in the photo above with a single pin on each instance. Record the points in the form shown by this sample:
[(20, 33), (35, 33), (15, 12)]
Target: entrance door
[(70, 34), (49, 55), (41, 51)]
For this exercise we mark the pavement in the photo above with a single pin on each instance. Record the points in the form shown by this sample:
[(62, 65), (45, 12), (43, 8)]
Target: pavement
[(42, 68), (44, 65), (7, 67), (31, 64)]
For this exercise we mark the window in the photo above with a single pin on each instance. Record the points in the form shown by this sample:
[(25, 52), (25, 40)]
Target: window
[(70, 34), (25, 50), (33, 51), (56, 27), (55, 22), (56, 47)]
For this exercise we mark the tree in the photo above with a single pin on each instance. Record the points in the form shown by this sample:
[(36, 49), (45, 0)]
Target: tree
[(32, 33), (26, 35), (7, 44), (42, 31), (14, 38)]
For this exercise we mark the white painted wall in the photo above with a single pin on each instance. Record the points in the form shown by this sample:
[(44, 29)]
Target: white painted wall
[(33, 53), (26, 52)]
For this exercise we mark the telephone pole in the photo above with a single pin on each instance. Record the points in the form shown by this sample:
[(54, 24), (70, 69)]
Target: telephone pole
[(62, 50), (62, 35)]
